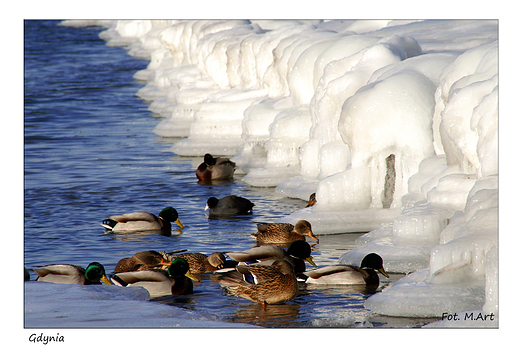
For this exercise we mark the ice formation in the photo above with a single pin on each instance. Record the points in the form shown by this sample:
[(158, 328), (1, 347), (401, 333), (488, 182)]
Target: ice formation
[(98, 306), (392, 123)]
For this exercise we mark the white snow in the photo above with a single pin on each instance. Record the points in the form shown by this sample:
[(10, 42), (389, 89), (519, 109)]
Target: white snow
[(394, 125)]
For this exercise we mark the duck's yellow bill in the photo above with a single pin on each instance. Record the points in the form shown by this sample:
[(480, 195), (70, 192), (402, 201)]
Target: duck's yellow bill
[(105, 280), (311, 235), (382, 270), (191, 277), (309, 259), (178, 222)]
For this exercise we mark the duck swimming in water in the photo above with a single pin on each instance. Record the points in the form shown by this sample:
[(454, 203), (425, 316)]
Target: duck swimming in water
[(284, 233), (177, 280), (348, 274), (145, 260), (143, 221), (270, 284), (266, 254), (228, 206), (72, 274), (201, 263), (215, 168)]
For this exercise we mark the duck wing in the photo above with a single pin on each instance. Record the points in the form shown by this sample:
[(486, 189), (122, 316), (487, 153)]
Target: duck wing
[(144, 276), (274, 227), (338, 274), (61, 273), (263, 252), (224, 161), (137, 216)]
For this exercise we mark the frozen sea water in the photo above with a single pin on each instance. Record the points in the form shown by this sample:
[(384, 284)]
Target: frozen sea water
[(436, 198)]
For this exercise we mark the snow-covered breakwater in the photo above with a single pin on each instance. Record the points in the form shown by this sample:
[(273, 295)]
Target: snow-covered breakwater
[(392, 123)]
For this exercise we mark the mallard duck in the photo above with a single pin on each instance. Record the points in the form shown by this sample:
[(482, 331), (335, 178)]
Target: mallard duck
[(215, 168), (266, 254), (230, 205), (284, 233), (270, 284), (143, 221), (72, 274), (312, 200), (175, 281), (348, 274), (201, 263), (149, 259)]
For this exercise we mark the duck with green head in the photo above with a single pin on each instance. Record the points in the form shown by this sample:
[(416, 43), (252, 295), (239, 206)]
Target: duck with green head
[(72, 274), (177, 280), (143, 221), (348, 274)]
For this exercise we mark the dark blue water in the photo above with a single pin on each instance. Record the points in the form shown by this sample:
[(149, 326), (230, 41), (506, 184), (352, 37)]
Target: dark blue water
[(90, 152)]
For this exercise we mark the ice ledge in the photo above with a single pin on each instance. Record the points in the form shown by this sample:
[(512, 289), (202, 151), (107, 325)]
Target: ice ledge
[(342, 221), (414, 296)]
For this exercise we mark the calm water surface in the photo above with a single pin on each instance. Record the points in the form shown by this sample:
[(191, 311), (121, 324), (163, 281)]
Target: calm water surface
[(90, 152)]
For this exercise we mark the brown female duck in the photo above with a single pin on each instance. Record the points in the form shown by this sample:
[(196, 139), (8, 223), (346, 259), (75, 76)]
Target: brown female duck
[(284, 233), (270, 284), (201, 263)]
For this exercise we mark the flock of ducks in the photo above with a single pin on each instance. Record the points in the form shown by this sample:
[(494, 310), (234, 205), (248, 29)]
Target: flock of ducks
[(266, 274)]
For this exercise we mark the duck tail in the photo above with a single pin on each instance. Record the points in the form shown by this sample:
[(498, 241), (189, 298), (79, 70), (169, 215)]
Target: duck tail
[(109, 224), (119, 280)]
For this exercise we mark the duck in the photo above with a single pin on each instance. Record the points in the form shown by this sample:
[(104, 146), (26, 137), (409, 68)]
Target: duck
[(177, 280), (283, 232), (219, 168), (143, 221), (228, 206), (312, 200), (201, 263), (270, 284), (72, 274), (144, 260), (267, 253), (348, 274)]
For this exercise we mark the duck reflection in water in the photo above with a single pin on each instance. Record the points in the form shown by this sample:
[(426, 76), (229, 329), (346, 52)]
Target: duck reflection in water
[(270, 315)]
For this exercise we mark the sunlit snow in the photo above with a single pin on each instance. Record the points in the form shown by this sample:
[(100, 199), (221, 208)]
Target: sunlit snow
[(394, 125)]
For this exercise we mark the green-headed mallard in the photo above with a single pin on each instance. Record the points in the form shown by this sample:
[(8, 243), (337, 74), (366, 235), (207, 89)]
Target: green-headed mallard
[(72, 274), (270, 284), (348, 274), (148, 259), (267, 253), (228, 206), (175, 281), (284, 233), (201, 263), (143, 221), (215, 168)]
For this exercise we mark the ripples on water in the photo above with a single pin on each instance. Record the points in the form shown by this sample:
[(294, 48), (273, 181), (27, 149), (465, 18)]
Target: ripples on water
[(90, 152)]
